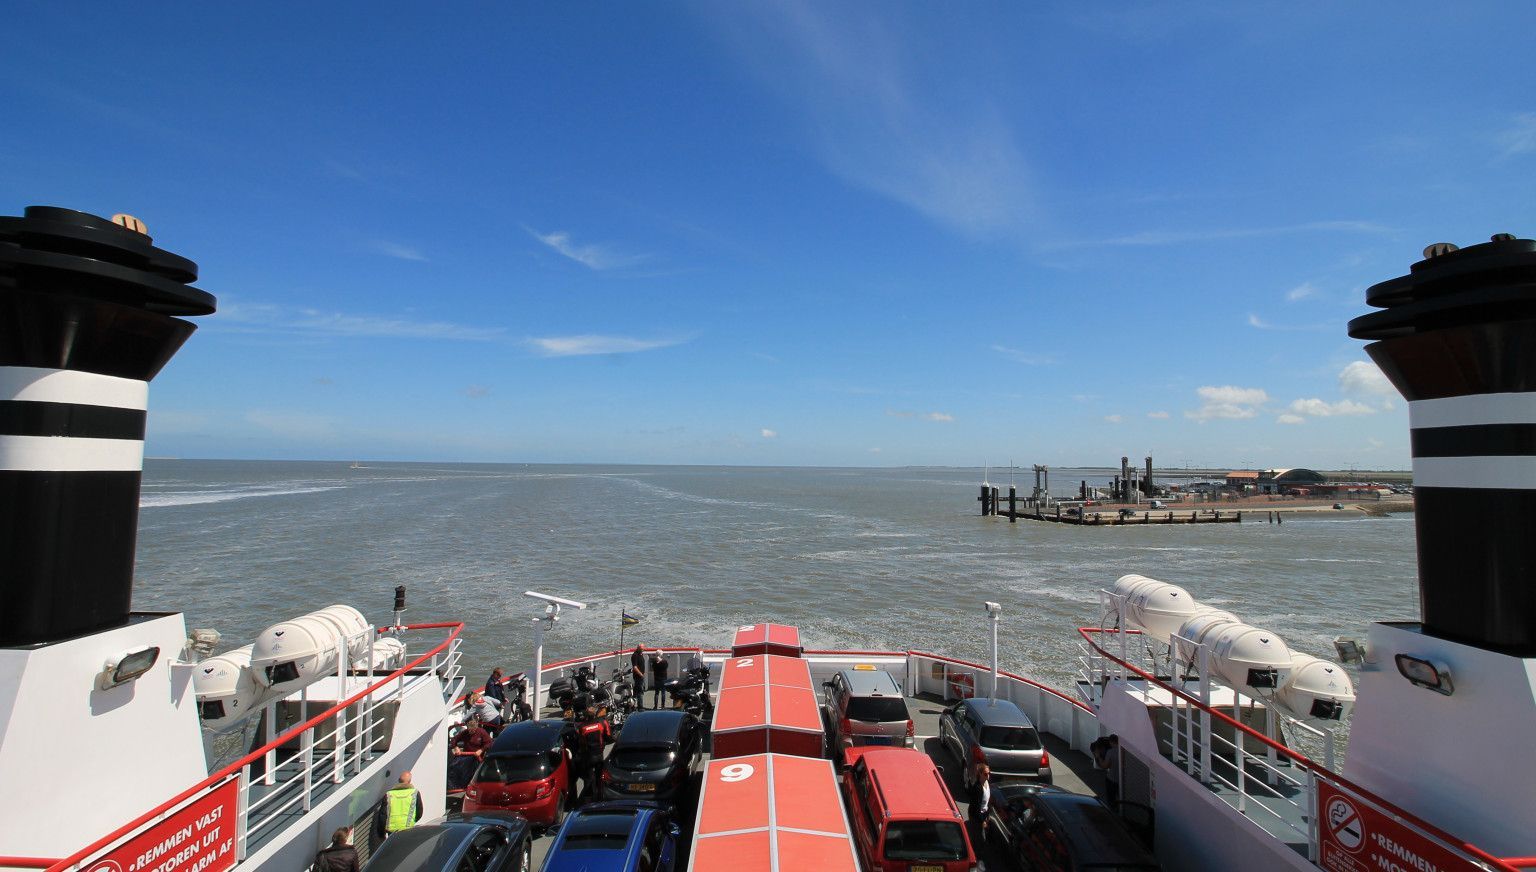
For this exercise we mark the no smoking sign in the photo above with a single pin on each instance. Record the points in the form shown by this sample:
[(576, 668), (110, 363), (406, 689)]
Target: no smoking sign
[(1344, 824)]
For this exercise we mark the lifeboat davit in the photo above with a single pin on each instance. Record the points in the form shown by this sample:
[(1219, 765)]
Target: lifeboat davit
[(1250, 659), (1317, 690)]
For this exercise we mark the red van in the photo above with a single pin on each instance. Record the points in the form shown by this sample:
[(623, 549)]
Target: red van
[(527, 770), (902, 814)]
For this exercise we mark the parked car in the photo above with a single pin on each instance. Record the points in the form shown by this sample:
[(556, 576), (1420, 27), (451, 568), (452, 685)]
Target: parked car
[(461, 842), (527, 770), (654, 756), (995, 731), (866, 707), (902, 814), (619, 836), (1047, 829)]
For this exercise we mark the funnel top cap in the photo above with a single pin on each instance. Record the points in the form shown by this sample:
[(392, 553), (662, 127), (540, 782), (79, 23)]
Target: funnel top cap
[(1503, 260), (51, 249)]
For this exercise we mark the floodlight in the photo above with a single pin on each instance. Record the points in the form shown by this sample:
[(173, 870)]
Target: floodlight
[(128, 666)]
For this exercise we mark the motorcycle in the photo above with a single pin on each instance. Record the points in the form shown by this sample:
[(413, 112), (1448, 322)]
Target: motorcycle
[(620, 694), (691, 691), (518, 708), (563, 691)]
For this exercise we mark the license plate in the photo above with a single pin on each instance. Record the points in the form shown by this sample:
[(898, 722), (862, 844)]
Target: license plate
[(887, 740), (927, 869), (642, 788)]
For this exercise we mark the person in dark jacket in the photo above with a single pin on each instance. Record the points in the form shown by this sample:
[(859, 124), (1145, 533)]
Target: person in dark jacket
[(981, 796), (637, 675), (340, 856), (494, 689), (659, 679)]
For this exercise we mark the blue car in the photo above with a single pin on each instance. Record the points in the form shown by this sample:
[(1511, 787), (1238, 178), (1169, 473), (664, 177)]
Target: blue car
[(617, 836)]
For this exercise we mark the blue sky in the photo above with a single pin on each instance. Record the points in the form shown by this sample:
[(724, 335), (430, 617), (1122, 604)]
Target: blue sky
[(835, 233)]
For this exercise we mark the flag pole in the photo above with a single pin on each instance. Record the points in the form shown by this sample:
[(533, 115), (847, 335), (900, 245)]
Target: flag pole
[(619, 656)]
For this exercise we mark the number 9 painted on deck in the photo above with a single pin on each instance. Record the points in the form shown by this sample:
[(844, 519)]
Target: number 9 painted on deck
[(736, 772)]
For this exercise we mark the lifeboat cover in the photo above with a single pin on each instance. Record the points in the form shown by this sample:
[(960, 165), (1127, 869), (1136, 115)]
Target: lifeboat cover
[(769, 812), (767, 704), (766, 639)]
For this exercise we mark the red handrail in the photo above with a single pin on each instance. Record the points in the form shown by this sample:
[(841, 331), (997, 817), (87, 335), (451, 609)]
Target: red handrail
[(1306, 763), (27, 862), (259, 753)]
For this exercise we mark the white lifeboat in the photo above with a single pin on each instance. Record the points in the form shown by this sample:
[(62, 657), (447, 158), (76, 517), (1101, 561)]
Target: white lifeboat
[(1317, 690), (1198, 626), (1159, 608), (292, 654), (1126, 587), (388, 654), (1249, 658), (226, 688)]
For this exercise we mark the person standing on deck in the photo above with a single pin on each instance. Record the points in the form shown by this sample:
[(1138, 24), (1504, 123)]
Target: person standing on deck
[(400, 810), (1106, 758), (659, 668), (496, 691), (981, 796), (637, 675)]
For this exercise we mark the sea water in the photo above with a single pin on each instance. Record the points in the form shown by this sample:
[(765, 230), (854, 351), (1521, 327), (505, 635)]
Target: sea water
[(856, 558)]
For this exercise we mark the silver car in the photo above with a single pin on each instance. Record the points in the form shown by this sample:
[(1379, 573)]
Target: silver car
[(997, 732), (866, 707)]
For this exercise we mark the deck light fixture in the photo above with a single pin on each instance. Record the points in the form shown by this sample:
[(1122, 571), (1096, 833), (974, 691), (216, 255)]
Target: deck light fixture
[(127, 666), (551, 617), (1434, 676), (1349, 650), (995, 612)]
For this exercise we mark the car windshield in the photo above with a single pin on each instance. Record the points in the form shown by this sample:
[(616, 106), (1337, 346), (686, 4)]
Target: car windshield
[(880, 709), (424, 847), (924, 840), (1097, 836), (645, 758), (512, 768), (599, 832), (1010, 738)]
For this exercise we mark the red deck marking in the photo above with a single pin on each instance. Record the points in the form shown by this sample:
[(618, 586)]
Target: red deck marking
[(771, 813), (766, 639), (744, 672), (788, 670), (740, 708)]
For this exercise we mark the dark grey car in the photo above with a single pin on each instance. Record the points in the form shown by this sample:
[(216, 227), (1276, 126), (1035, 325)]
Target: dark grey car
[(487, 841), (654, 757), (996, 731)]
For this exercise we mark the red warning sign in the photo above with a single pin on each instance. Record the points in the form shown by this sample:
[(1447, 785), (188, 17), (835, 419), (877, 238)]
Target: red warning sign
[(198, 838), (1354, 837)]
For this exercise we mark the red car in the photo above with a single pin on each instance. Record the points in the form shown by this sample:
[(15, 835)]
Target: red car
[(527, 770), (903, 816)]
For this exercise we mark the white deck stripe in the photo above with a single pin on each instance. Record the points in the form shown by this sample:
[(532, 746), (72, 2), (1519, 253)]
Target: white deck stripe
[(68, 454), (1493, 473), (39, 385), (773, 821), (764, 829), (1472, 409)]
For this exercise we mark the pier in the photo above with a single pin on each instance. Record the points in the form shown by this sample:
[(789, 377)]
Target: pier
[(996, 504)]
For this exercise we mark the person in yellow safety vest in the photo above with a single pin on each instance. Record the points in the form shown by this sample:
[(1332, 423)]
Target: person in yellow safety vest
[(401, 808)]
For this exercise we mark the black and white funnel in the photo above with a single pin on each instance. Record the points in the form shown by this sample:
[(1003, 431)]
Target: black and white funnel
[(86, 321), (1458, 338)]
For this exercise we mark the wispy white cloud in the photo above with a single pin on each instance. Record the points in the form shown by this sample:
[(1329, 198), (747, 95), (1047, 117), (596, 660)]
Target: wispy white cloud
[(1316, 408), (396, 250), (1180, 237), (861, 104), (1157, 415), (1028, 358), (262, 318), (572, 346), (590, 255), (769, 434), (1114, 419), (925, 416), (1362, 378), (1520, 137), (1288, 418), (475, 392), (1303, 291), (875, 450), (1259, 323), (1227, 401)]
